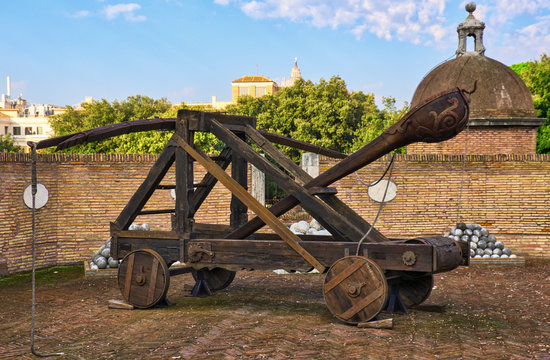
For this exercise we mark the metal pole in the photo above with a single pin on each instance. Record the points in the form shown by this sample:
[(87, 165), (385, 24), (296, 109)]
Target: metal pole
[(33, 311)]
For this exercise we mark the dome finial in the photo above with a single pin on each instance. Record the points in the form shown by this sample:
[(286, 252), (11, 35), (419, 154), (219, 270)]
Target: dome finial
[(470, 27)]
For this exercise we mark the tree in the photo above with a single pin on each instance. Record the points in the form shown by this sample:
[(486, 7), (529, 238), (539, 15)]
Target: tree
[(101, 113), (536, 75), (324, 114), (8, 145)]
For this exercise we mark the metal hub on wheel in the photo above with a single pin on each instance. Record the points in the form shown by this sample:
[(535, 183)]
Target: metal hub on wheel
[(143, 278)]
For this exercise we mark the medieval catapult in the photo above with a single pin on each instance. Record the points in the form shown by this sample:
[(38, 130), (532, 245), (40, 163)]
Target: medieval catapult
[(358, 260)]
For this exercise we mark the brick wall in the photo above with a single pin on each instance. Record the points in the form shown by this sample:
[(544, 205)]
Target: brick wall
[(508, 194), (86, 193), (485, 141)]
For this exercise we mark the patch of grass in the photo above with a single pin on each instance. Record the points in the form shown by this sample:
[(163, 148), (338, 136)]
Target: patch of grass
[(47, 275)]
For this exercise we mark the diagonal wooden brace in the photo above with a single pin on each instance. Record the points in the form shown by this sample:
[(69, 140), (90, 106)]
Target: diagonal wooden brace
[(288, 236)]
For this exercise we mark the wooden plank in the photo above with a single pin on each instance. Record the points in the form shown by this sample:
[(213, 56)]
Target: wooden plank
[(184, 176), (153, 282), (147, 188), (291, 239), (128, 280), (362, 304), (153, 234), (334, 222), (377, 324), (239, 172), (200, 118), (210, 181), (335, 281)]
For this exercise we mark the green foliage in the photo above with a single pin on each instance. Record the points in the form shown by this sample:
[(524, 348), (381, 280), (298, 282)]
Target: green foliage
[(8, 145), (536, 75), (323, 114), (101, 113)]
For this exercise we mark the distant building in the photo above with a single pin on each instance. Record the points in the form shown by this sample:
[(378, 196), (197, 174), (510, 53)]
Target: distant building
[(25, 122), (253, 85), (295, 74)]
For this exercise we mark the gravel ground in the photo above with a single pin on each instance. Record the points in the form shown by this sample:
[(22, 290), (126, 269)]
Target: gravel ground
[(480, 312)]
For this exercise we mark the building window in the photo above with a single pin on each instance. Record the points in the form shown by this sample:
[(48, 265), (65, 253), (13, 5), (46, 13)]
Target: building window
[(16, 130), (39, 130), (260, 91), (243, 91), (28, 130), (6, 129)]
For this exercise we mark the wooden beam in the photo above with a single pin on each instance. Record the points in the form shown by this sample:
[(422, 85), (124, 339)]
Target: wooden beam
[(337, 224), (146, 189), (210, 181), (290, 238), (301, 175), (185, 206)]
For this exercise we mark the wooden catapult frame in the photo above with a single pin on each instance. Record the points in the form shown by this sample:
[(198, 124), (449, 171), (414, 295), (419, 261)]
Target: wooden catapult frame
[(359, 267)]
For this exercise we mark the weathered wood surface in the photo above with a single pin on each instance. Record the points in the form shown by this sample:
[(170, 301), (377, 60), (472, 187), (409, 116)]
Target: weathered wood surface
[(250, 201), (337, 224), (437, 119), (143, 278), (302, 176), (355, 289), (377, 324), (185, 206), (147, 188)]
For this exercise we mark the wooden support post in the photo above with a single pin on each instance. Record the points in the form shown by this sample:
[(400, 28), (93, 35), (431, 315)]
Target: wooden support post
[(239, 172), (184, 177), (290, 238)]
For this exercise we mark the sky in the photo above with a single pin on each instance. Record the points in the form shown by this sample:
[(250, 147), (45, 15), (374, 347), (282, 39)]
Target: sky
[(61, 51)]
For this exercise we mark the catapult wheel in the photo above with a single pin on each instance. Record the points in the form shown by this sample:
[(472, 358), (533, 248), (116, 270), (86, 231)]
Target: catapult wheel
[(355, 289), (414, 289), (143, 278), (218, 278)]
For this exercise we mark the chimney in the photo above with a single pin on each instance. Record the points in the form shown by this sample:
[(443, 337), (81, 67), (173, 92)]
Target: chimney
[(9, 87)]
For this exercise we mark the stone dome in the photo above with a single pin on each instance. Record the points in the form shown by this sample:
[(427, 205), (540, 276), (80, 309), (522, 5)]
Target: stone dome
[(500, 91)]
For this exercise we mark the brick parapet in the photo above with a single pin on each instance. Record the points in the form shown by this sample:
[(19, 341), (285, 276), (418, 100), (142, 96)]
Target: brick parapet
[(507, 193)]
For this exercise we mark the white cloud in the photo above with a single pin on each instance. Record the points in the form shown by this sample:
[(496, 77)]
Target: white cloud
[(128, 11), (81, 14), (407, 20), (509, 23)]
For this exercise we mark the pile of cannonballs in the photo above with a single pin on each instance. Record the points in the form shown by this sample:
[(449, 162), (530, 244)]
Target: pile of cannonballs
[(308, 228), (482, 243), (102, 259)]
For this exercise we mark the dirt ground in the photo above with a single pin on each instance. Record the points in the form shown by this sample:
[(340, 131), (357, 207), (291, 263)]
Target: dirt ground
[(485, 312)]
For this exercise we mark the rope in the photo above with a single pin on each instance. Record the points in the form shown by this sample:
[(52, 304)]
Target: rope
[(390, 167), (463, 174), (381, 177), (33, 311)]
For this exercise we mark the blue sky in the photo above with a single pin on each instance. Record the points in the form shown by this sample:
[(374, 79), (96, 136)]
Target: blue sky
[(60, 51)]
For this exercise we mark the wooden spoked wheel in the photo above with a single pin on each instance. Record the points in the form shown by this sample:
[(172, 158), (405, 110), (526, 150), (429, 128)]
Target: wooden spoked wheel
[(355, 289), (415, 289), (218, 278), (143, 278)]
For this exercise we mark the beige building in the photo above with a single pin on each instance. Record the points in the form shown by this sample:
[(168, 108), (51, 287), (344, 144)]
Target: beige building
[(252, 85), (25, 122)]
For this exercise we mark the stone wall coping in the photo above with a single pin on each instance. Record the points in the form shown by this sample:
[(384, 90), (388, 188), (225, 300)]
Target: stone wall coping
[(458, 158), (507, 121), (148, 158)]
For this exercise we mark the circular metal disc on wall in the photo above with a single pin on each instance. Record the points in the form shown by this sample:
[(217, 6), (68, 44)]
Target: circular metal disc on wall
[(376, 192), (41, 197)]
